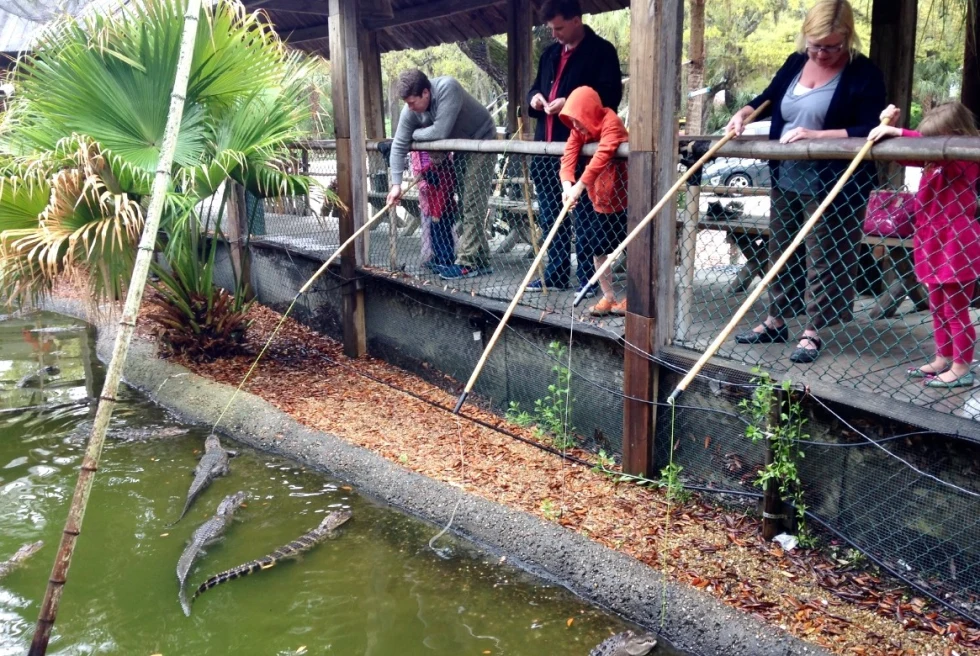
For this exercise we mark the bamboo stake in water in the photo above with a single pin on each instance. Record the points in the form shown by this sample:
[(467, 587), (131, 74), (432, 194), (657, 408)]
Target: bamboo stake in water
[(127, 324), (660, 205), (350, 240), (510, 308), (773, 271)]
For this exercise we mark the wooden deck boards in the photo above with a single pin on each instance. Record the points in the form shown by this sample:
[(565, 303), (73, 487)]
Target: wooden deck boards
[(863, 362)]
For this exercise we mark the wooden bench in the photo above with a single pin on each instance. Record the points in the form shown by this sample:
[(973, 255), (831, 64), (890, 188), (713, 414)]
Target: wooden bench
[(750, 234)]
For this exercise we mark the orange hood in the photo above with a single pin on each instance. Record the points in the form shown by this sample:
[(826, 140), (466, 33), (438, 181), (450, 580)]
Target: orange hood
[(583, 105)]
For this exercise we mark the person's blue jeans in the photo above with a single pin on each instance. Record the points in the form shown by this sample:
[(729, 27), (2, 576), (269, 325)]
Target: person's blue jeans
[(441, 232), (547, 187)]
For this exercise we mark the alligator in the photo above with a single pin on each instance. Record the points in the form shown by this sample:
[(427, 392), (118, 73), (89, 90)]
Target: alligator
[(25, 552), (213, 463), (206, 534), (38, 377), (626, 643), (303, 543)]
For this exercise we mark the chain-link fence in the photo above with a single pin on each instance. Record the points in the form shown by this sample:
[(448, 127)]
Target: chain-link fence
[(858, 305), (906, 497), (471, 220)]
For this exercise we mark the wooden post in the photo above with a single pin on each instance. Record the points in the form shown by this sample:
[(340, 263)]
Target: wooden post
[(893, 27), (232, 227), (970, 94), (244, 237), (351, 156), (656, 34), (695, 71), (519, 64), (689, 248)]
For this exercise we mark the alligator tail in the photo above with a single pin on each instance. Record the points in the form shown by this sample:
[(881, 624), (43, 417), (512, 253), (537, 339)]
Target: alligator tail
[(184, 603), (238, 572)]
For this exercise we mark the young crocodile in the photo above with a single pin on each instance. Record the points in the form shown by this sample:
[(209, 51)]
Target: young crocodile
[(626, 643), (25, 552), (206, 534), (213, 463), (303, 543)]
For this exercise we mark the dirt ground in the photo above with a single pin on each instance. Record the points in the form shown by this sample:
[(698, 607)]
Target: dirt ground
[(819, 595)]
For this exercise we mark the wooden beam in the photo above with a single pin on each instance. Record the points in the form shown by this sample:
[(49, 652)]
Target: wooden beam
[(374, 100), (376, 9), (656, 32), (970, 94), (306, 34), (893, 26), (428, 11), (519, 64), (318, 7), (351, 168)]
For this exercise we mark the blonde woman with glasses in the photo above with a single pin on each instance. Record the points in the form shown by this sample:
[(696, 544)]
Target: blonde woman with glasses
[(826, 90)]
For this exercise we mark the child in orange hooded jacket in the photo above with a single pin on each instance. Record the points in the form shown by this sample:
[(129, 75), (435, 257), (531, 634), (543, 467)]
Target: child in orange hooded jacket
[(604, 178)]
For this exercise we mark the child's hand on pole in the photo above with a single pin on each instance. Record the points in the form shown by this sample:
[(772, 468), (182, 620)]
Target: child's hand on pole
[(570, 193), (890, 114)]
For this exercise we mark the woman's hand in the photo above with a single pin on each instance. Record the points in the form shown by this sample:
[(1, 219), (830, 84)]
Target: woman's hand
[(891, 113), (883, 131), (737, 123), (799, 134)]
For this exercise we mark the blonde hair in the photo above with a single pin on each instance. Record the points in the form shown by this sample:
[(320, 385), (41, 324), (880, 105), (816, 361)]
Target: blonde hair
[(830, 17), (948, 119)]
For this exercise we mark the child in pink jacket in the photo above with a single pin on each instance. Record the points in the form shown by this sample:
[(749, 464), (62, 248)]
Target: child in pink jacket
[(946, 245)]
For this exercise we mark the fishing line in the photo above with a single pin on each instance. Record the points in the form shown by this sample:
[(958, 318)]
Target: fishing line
[(664, 550), (445, 553), (302, 290)]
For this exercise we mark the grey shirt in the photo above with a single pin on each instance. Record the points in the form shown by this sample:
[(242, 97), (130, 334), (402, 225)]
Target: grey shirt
[(805, 110), (453, 114)]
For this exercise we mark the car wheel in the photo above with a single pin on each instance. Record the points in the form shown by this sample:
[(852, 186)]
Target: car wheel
[(738, 181)]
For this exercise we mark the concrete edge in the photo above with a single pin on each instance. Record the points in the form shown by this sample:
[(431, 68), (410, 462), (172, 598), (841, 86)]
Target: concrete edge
[(693, 620)]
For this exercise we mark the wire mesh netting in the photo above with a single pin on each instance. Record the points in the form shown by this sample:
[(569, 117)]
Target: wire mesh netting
[(906, 497), (470, 223)]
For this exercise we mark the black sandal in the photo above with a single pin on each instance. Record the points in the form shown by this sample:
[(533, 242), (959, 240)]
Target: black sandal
[(805, 355), (769, 335)]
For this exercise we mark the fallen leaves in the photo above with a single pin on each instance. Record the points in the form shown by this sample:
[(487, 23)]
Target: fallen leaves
[(719, 551)]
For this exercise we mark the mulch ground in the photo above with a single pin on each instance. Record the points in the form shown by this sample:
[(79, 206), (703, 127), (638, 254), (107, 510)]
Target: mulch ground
[(816, 594)]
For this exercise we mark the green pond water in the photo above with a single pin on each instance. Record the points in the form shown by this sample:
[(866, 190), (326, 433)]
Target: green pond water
[(377, 589)]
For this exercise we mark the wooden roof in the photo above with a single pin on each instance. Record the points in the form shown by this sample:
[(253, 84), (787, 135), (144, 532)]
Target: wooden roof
[(414, 24)]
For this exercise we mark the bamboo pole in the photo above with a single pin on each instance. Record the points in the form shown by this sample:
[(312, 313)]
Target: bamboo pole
[(340, 249), (510, 308), (773, 271), (660, 205), (127, 324)]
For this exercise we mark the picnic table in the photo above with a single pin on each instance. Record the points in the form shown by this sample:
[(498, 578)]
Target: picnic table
[(750, 234)]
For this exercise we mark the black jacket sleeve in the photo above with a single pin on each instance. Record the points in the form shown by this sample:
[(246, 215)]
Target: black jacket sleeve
[(536, 88), (608, 77), (776, 86)]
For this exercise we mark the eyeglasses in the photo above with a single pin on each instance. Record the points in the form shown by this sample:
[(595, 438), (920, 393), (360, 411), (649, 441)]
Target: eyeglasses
[(832, 50)]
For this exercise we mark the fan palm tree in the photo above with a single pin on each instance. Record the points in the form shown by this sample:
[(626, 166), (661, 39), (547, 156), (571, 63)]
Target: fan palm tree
[(80, 141)]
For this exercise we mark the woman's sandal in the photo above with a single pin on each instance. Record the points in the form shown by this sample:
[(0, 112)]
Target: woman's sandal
[(916, 372), (804, 355)]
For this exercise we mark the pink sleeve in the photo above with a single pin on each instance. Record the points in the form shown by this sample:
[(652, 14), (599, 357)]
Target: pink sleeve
[(912, 134)]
